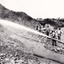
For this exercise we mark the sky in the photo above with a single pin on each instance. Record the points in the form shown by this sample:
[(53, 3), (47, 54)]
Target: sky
[(37, 8)]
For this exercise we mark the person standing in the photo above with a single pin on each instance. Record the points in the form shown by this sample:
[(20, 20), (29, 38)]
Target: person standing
[(47, 30), (53, 38), (59, 34), (37, 27)]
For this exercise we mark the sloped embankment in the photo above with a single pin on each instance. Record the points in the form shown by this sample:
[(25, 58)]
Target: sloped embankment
[(12, 40)]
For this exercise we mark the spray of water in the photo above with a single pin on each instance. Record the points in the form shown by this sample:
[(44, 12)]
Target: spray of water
[(18, 26)]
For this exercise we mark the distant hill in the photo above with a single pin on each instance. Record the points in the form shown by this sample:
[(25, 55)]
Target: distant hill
[(26, 20), (53, 22)]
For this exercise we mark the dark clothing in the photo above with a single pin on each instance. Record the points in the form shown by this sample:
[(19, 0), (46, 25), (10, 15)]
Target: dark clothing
[(59, 37), (40, 29), (54, 41), (47, 33), (59, 34), (36, 27)]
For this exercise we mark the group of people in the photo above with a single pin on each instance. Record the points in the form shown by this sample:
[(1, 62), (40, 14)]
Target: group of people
[(55, 33)]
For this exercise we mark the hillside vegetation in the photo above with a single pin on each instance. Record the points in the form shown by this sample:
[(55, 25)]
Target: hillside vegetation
[(26, 20)]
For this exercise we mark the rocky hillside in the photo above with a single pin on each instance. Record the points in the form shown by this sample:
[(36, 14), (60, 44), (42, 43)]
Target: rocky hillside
[(53, 22), (12, 40), (24, 19), (9, 14), (18, 17)]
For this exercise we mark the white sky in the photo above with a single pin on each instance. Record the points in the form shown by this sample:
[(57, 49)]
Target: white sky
[(37, 8)]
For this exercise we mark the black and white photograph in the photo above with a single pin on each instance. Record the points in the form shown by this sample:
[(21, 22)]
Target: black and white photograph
[(31, 31)]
